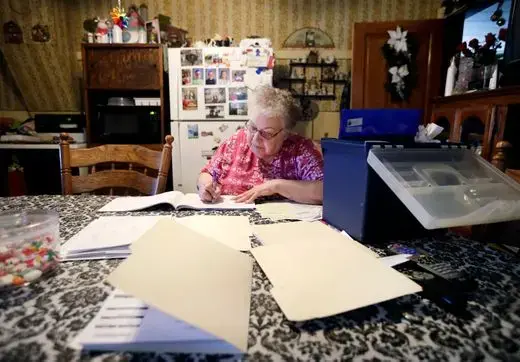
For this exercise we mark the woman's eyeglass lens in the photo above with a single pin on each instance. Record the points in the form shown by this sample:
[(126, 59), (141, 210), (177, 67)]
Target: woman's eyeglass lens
[(263, 133)]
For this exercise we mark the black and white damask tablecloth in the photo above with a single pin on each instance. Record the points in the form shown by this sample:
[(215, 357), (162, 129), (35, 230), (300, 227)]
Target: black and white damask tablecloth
[(38, 322)]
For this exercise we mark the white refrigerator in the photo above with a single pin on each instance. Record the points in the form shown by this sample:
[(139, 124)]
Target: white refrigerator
[(209, 93)]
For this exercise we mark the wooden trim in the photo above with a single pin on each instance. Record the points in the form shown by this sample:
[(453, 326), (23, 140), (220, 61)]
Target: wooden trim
[(65, 170), (514, 174), (121, 45), (114, 178), (161, 93), (506, 95), (86, 102)]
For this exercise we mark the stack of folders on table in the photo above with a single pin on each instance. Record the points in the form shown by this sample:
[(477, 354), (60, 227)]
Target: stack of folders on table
[(110, 237), (178, 291), (317, 272), (285, 210)]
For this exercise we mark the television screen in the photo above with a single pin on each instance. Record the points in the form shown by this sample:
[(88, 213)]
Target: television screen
[(478, 23)]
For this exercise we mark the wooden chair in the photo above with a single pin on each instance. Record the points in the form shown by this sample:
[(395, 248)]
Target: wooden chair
[(106, 158), (500, 160)]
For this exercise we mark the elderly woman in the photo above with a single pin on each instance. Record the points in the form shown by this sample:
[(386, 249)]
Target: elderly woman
[(266, 158)]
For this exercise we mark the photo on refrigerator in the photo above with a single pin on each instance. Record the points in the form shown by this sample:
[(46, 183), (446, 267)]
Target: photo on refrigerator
[(212, 59), (238, 94), (238, 108), (215, 112), (186, 76), (237, 76), (211, 76), (191, 57), (189, 99), (198, 76), (223, 76), (214, 95)]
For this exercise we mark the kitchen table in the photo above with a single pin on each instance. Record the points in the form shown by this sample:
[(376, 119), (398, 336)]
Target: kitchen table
[(38, 322)]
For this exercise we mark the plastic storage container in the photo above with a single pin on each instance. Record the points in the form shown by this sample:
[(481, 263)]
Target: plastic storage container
[(29, 246), (378, 191), (447, 187), (379, 123), (356, 200)]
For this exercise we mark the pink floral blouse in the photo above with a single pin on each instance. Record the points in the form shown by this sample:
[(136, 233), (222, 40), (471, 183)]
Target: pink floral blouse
[(238, 169)]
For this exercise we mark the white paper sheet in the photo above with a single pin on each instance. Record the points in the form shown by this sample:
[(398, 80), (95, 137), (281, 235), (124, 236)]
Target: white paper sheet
[(193, 201), (134, 203), (284, 210), (233, 231), (109, 235), (321, 273), (126, 323)]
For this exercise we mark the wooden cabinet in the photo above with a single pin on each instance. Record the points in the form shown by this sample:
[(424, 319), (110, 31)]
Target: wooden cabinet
[(123, 70), (116, 67), (370, 71), (478, 118)]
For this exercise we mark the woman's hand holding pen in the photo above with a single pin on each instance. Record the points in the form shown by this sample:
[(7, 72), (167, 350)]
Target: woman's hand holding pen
[(209, 188)]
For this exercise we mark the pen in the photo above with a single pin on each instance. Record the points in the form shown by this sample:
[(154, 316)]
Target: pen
[(215, 181)]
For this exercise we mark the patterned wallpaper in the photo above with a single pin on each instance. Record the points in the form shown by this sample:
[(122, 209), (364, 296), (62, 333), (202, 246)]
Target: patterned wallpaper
[(49, 73)]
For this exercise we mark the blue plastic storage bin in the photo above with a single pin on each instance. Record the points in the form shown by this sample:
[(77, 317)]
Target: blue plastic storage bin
[(379, 123), (356, 199)]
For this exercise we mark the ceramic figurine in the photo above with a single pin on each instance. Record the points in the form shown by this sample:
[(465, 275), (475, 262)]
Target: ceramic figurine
[(102, 32)]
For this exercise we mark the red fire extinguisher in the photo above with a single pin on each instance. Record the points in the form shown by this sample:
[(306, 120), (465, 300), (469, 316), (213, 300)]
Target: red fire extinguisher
[(16, 179)]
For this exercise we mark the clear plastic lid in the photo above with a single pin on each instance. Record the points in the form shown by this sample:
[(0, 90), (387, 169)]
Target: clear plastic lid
[(447, 187), (21, 224)]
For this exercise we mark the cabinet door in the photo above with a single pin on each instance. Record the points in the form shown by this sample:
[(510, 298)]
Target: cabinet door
[(123, 68), (370, 70), (444, 117), (472, 126)]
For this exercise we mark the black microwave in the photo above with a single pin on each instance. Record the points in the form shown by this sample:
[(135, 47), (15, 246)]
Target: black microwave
[(126, 125)]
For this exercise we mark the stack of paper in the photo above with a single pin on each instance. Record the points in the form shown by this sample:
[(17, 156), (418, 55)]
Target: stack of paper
[(191, 278), (285, 210), (317, 272), (125, 322), (108, 237)]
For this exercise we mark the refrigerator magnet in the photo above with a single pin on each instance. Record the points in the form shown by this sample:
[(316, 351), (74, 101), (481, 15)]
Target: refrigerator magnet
[(193, 131)]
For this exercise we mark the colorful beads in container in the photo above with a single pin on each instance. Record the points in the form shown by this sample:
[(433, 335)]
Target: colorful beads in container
[(29, 245)]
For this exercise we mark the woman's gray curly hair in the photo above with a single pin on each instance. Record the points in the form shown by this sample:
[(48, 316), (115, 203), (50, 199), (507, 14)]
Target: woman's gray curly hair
[(276, 102)]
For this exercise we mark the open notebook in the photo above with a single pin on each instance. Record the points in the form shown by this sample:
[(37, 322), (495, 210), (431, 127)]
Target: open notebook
[(174, 198)]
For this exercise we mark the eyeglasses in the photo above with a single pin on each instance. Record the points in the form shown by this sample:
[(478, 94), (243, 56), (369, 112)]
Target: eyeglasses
[(262, 132)]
